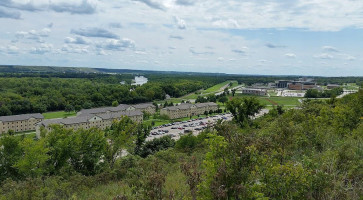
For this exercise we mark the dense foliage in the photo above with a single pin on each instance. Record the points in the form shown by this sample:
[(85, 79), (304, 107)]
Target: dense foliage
[(20, 95), (313, 93), (314, 152)]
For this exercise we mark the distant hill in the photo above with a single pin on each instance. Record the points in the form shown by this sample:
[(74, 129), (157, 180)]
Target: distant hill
[(53, 69)]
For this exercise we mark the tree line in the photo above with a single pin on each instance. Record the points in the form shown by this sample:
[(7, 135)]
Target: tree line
[(19, 95)]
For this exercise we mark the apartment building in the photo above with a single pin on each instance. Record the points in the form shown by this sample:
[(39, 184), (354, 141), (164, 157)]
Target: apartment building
[(87, 121), (145, 107), (187, 109), (20, 123), (104, 110)]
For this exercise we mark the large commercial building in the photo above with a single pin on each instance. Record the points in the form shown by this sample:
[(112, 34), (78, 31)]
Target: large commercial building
[(100, 120), (301, 85), (187, 109), (253, 91), (20, 123)]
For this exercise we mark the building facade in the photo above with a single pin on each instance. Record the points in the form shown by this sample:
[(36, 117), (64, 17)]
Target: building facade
[(252, 91), (145, 107), (20, 123), (99, 120), (187, 110)]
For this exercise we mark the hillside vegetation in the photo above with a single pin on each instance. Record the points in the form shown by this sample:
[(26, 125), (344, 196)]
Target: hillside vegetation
[(314, 152)]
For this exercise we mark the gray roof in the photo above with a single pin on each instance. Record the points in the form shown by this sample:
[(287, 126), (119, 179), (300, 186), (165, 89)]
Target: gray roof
[(121, 107), (143, 105), (182, 106), (185, 106), (13, 118), (85, 118), (206, 104)]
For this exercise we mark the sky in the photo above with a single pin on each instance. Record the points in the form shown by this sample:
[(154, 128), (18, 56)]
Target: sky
[(266, 37)]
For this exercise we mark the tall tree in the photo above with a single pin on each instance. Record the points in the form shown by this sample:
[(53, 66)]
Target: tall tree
[(243, 109)]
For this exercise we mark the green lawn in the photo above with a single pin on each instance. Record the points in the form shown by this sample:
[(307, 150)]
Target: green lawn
[(280, 100), (60, 114), (191, 96), (234, 84), (272, 100), (216, 87), (351, 86)]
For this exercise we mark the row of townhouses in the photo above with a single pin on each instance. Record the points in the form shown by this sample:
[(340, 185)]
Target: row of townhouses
[(87, 121), (187, 109), (85, 118), (20, 123)]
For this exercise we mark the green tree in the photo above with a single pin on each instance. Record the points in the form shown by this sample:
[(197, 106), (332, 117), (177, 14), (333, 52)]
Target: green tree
[(223, 99), (60, 143), (4, 111), (10, 153), (121, 136), (89, 150), (33, 162), (233, 92), (243, 109), (155, 145), (69, 108), (115, 103)]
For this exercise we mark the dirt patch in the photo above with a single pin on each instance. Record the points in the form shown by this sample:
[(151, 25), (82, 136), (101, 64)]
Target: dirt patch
[(273, 102)]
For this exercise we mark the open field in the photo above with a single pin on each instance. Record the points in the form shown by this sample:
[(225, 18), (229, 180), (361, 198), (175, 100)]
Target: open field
[(234, 84), (285, 101), (216, 87), (59, 114), (351, 86)]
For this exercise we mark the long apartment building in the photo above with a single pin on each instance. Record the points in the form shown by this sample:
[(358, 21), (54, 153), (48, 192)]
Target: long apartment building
[(144, 107), (20, 123), (187, 109), (86, 121)]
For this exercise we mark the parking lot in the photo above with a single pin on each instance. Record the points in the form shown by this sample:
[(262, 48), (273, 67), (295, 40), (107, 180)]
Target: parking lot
[(194, 126)]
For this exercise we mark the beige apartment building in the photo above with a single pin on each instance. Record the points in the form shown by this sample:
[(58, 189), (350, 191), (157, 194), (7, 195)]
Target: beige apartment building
[(147, 107), (20, 123), (187, 109), (99, 120)]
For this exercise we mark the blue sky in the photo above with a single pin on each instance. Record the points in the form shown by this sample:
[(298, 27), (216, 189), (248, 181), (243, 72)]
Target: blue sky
[(302, 37)]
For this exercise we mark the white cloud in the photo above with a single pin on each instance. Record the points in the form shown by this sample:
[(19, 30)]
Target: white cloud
[(324, 56), (74, 49), (180, 23), (185, 35), (76, 40), (290, 55), (42, 49), (330, 49), (116, 45)]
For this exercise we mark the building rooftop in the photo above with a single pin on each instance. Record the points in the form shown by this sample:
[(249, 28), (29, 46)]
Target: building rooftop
[(143, 105), (185, 106), (85, 118), (121, 107), (21, 117)]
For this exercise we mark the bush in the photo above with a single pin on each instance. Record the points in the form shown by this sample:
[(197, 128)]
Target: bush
[(156, 145)]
